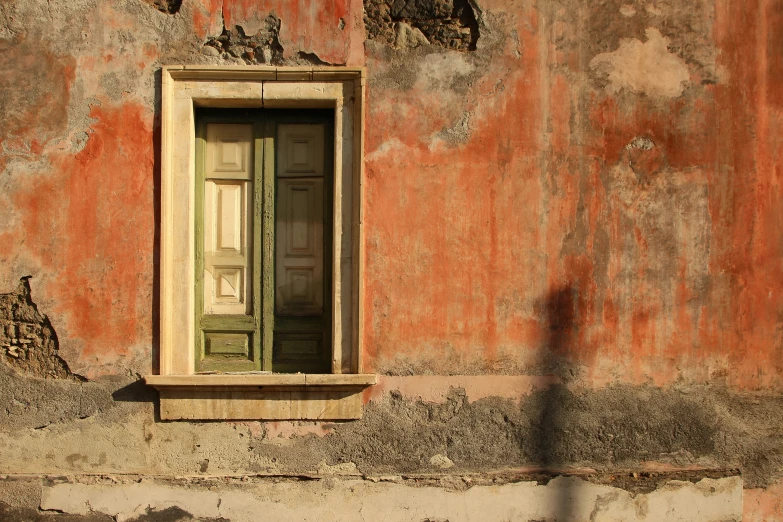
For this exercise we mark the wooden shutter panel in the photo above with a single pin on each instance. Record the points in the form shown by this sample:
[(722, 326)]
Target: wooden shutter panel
[(227, 221), (300, 268), (299, 271)]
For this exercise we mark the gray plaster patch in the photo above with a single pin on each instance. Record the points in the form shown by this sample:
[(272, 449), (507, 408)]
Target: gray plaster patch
[(615, 428), (458, 133), (112, 86)]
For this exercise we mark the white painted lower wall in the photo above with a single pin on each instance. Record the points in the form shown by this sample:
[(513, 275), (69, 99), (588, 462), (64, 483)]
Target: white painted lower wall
[(563, 499)]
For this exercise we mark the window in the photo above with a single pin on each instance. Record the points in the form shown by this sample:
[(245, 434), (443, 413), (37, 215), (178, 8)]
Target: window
[(260, 284), (264, 199)]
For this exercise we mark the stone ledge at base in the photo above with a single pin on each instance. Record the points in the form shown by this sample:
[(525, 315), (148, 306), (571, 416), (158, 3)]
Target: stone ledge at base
[(261, 396), (350, 499)]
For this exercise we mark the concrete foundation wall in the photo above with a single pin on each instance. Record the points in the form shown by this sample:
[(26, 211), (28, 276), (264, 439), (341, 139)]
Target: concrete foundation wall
[(573, 263)]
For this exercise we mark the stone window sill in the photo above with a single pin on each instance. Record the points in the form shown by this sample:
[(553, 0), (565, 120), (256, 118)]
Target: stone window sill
[(261, 396)]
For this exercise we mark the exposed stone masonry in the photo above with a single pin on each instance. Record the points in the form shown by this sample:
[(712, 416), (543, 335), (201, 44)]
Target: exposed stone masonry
[(262, 47), (448, 23), (166, 6), (28, 342)]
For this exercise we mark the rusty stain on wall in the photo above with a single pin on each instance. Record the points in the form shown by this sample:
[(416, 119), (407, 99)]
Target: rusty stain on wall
[(101, 285), (618, 196)]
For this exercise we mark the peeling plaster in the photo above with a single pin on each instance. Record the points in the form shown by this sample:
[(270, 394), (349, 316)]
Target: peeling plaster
[(27, 338), (166, 6), (452, 24), (647, 68)]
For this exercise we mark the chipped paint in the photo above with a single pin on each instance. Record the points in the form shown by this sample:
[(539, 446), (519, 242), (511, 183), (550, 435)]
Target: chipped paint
[(643, 67)]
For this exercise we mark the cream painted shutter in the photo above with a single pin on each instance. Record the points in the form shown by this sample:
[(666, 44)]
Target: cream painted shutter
[(299, 270), (227, 221)]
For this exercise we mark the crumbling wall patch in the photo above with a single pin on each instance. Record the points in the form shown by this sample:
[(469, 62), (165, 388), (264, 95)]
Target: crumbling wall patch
[(447, 23), (262, 47), (28, 342), (166, 6)]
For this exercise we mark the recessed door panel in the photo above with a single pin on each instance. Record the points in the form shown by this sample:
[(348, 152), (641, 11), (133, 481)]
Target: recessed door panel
[(301, 232), (229, 151), (299, 260), (230, 216), (227, 220), (228, 352), (300, 150), (229, 282), (293, 347)]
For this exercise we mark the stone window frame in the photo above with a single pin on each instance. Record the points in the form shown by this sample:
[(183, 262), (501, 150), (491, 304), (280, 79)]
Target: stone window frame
[(185, 394)]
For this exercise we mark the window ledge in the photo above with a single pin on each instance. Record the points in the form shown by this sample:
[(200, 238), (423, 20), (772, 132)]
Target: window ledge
[(261, 396), (262, 379)]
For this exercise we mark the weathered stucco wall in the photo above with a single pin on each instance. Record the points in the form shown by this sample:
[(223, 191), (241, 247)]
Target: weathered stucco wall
[(594, 188), (591, 188), (574, 255)]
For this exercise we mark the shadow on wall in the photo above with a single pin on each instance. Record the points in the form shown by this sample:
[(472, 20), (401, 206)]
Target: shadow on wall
[(139, 391), (156, 195), (548, 450)]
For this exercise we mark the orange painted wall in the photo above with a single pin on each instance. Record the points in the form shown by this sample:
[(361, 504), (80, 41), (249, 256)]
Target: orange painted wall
[(528, 247), (511, 224)]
